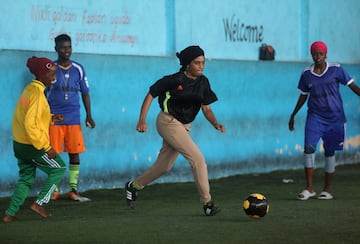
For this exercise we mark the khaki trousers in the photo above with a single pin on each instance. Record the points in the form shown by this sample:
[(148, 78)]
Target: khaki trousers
[(176, 139)]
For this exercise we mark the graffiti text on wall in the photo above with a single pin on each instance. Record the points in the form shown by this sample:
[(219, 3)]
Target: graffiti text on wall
[(235, 31), (95, 27)]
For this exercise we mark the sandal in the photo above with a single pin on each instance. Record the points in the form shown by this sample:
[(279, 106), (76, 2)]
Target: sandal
[(305, 195), (324, 195)]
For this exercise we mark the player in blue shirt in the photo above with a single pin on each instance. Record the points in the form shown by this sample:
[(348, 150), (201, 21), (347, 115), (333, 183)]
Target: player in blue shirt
[(320, 82), (64, 98)]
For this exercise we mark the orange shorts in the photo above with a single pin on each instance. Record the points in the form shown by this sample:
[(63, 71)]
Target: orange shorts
[(67, 138)]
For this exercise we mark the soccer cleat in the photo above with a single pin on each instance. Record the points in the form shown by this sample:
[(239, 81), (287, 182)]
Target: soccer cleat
[(210, 209), (131, 194), (75, 196), (40, 210), (55, 196)]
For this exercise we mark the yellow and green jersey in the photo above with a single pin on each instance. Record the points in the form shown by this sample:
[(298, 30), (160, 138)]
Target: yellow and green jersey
[(32, 117)]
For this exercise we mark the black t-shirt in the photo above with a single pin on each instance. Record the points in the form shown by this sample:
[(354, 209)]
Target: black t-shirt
[(181, 96)]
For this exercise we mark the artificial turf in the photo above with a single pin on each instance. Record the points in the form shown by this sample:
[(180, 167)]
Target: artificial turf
[(171, 213)]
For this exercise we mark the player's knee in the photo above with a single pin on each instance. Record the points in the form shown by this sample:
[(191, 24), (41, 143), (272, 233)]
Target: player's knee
[(309, 149), (309, 160), (330, 164), (29, 182), (329, 153), (330, 168)]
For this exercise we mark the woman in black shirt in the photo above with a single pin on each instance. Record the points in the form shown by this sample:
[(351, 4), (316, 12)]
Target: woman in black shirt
[(180, 96)]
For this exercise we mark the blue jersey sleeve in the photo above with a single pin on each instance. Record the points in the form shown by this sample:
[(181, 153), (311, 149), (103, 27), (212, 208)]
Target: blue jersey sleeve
[(83, 81), (303, 84), (343, 77)]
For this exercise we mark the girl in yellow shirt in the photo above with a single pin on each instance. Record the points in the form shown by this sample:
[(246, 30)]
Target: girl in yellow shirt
[(30, 128)]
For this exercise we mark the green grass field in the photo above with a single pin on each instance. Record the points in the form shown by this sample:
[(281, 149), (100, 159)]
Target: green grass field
[(171, 213)]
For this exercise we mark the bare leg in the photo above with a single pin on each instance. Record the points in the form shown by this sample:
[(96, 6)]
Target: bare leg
[(309, 172), (328, 180)]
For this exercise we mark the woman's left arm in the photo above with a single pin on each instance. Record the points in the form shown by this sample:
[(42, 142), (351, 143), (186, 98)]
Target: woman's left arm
[(210, 116), (355, 88)]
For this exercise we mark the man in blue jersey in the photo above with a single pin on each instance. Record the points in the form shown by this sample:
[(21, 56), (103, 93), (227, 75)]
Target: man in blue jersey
[(320, 82), (63, 98)]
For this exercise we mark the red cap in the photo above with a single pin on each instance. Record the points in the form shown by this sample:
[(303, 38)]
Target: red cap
[(39, 66)]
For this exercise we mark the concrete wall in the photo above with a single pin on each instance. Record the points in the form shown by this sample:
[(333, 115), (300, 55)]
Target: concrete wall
[(126, 46)]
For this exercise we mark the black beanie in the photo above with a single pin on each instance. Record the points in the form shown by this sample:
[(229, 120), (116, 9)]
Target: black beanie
[(189, 54)]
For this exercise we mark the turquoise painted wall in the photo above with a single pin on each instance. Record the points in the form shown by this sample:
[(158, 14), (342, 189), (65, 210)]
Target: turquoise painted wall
[(255, 97)]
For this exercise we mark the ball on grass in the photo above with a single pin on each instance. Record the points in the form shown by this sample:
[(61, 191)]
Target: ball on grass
[(256, 205)]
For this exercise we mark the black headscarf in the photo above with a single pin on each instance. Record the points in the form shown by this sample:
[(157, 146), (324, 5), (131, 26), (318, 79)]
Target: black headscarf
[(189, 54)]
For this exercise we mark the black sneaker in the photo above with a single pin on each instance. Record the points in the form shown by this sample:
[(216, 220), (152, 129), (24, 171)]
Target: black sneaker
[(131, 194), (210, 209)]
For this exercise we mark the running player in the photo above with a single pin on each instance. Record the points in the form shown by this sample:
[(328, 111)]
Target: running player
[(181, 96)]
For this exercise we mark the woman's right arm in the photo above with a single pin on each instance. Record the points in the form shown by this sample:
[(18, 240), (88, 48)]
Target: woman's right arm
[(141, 125), (299, 104)]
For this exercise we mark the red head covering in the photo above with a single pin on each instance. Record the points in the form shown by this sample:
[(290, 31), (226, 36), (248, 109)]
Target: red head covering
[(39, 66), (318, 46)]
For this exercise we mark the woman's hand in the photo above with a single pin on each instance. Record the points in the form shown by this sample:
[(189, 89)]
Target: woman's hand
[(51, 153), (141, 126), (220, 127), (291, 123)]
